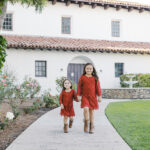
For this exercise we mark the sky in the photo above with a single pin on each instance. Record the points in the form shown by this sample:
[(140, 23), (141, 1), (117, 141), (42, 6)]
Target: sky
[(139, 1)]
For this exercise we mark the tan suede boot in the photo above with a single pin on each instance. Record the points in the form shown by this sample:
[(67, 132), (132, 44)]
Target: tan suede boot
[(86, 125), (91, 130), (65, 128), (70, 123)]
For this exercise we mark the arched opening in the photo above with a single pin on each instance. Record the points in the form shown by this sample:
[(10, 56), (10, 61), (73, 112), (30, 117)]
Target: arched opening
[(75, 67)]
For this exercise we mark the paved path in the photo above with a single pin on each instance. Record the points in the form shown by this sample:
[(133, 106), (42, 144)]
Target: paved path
[(47, 133)]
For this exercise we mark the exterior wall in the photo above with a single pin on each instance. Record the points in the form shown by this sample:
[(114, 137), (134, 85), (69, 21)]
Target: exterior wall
[(22, 62), (86, 23)]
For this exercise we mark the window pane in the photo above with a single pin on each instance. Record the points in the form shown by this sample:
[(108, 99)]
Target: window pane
[(40, 68), (7, 25), (115, 28), (66, 25), (118, 69)]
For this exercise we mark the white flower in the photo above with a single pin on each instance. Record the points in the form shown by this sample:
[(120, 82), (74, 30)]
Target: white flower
[(10, 116)]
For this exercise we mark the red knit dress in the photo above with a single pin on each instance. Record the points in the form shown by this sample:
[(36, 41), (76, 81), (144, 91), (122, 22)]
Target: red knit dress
[(66, 98), (89, 91)]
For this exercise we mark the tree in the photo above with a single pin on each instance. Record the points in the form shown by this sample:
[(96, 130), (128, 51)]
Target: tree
[(3, 45), (38, 4)]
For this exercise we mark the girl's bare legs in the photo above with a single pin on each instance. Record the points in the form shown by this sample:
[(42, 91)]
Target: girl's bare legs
[(65, 124), (86, 113), (70, 122), (65, 119), (86, 118), (91, 113)]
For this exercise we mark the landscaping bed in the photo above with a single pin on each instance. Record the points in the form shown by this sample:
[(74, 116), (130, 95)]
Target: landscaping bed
[(132, 121), (16, 127)]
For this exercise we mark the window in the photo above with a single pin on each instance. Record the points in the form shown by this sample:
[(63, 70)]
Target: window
[(40, 68), (119, 69), (65, 27), (7, 25), (115, 28)]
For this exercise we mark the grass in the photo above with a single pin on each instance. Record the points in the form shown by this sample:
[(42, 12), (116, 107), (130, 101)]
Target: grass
[(132, 121)]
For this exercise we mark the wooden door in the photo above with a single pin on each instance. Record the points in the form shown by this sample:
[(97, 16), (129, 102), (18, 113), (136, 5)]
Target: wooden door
[(74, 72)]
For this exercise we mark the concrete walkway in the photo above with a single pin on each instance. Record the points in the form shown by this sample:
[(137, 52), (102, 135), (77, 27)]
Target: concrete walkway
[(47, 133)]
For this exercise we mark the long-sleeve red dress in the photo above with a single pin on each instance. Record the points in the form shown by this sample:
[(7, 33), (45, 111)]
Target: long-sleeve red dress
[(66, 98), (89, 90)]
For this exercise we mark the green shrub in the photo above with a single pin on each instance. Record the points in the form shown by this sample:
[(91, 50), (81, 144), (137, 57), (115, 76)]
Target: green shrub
[(3, 124), (29, 109), (28, 89), (7, 84), (50, 100), (59, 83), (143, 80), (36, 105), (16, 111), (3, 46)]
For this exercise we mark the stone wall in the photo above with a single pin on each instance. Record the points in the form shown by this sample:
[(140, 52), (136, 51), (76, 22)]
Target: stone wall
[(126, 93)]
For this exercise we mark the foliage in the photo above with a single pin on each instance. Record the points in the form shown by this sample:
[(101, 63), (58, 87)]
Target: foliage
[(16, 94), (38, 4), (28, 89), (74, 85), (132, 121), (3, 124), (50, 100), (143, 80), (8, 88), (36, 105), (8, 118), (59, 83), (16, 111), (7, 84), (3, 45)]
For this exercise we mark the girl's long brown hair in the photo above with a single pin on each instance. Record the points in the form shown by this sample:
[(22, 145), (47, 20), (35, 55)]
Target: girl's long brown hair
[(94, 73), (64, 82)]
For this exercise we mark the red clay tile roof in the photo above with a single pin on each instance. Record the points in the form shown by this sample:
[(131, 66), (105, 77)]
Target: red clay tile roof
[(54, 43), (118, 2), (111, 3)]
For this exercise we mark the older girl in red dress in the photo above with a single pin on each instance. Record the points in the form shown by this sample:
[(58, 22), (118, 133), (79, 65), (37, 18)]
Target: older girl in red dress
[(66, 101), (88, 90)]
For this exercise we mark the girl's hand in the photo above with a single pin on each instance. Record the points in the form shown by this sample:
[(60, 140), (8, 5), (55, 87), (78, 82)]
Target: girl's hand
[(99, 99), (79, 98), (62, 106)]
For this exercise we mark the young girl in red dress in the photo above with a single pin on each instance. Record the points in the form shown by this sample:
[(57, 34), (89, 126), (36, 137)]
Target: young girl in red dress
[(66, 102), (88, 92)]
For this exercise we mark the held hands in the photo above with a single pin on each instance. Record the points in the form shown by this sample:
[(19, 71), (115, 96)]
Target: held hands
[(99, 99), (79, 98), (62, 106)]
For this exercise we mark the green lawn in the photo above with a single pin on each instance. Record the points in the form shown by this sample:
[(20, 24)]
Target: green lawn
[(132, 121)]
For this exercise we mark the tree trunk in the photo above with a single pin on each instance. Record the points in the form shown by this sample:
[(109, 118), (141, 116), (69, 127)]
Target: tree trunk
[(2, 15)]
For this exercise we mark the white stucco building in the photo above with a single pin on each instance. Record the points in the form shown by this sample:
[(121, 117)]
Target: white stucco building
[(113, 35)]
